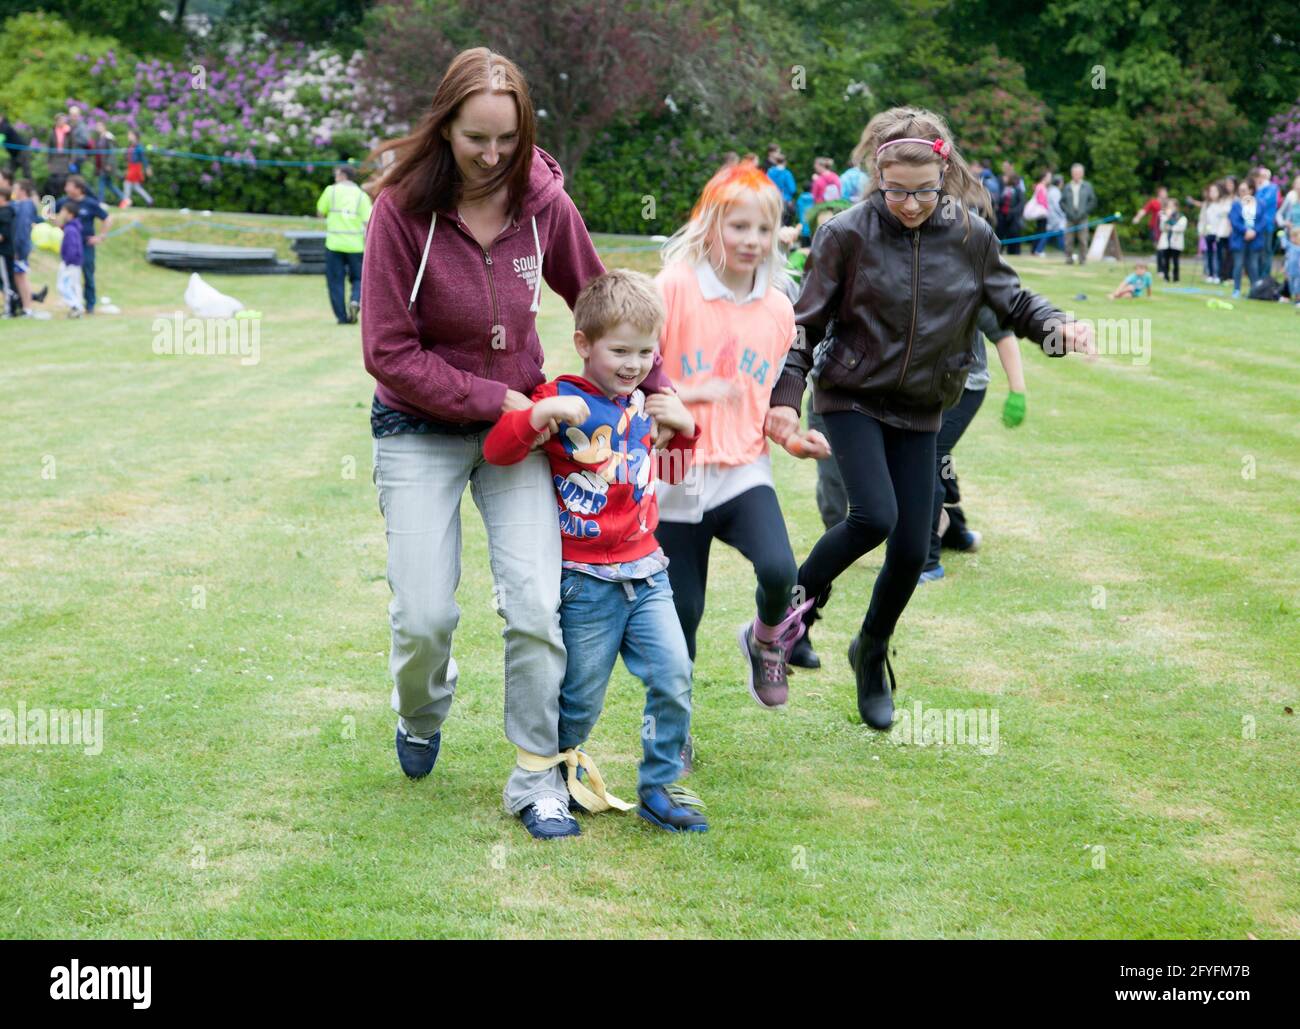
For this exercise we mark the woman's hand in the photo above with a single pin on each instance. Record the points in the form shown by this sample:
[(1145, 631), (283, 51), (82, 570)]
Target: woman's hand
[(780, 424), (515, 401), (1250, 234)]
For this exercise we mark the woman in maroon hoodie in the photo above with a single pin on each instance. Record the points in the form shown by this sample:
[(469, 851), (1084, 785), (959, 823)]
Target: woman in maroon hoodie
[(469, 217)]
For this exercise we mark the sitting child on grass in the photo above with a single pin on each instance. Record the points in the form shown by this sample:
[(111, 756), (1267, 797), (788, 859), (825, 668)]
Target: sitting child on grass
[(1136, 285)]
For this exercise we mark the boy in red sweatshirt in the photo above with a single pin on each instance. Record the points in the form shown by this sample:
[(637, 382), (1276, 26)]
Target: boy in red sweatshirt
[(598, 431)]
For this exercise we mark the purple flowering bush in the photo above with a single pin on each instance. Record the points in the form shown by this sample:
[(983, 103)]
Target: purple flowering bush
[(245, 106), (1280, 149)]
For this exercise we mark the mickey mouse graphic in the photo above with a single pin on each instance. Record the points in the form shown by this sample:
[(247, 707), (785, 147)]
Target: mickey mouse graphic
[(613, 441)]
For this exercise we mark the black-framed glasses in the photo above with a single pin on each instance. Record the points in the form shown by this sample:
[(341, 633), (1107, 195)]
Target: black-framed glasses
[(923, 196)]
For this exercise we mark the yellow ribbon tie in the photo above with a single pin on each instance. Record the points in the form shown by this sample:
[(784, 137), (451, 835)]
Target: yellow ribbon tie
[(594, 799)]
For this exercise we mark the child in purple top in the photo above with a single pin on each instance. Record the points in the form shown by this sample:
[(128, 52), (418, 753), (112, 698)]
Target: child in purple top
[(72, 253)]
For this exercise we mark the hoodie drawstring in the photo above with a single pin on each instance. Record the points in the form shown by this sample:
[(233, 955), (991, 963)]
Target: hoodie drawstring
[(424, 259), (537, 286)]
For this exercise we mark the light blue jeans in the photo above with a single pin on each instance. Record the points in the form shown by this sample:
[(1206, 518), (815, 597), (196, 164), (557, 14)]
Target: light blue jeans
[(421, 478), (603, 619)]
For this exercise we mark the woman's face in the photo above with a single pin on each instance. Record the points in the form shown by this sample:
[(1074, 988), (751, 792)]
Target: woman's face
[(1213, 192), (483, 134), (911, 212), (744, 235), (1243, 189)]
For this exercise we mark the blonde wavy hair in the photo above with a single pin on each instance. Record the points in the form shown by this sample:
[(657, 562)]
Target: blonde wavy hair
[(697, 240)]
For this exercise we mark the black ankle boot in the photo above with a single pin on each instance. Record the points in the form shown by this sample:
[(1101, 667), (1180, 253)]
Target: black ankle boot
[(802, 654), (869, 659)]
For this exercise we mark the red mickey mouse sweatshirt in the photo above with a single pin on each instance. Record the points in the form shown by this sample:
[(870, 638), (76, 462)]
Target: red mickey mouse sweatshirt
[(604, 470)]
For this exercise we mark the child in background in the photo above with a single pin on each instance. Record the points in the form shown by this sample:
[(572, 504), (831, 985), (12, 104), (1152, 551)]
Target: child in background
[(728, 328), (9, 303), (25, 216), (599, 431), (1292, 244), (1137, 284), (137, 168), (71, 255), (1173, 226), (825, 184)]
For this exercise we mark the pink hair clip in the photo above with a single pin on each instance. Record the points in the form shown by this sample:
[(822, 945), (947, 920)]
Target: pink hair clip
[(942, 147)]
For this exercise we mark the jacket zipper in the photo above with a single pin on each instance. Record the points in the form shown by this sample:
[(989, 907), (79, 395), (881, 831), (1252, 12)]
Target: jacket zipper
[(492, 289), (911, 333)]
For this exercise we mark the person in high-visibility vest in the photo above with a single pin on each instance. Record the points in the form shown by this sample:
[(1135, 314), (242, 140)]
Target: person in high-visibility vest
[(346, 209)]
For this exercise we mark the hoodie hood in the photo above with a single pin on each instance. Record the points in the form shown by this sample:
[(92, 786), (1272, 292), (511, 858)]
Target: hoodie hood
[(545, 182)]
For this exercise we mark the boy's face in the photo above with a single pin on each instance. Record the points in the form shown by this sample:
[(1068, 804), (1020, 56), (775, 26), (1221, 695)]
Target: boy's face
[(1141, 269), (619, 361)]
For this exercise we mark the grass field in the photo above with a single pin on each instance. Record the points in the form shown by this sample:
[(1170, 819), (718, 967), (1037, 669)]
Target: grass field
[(194, 546)]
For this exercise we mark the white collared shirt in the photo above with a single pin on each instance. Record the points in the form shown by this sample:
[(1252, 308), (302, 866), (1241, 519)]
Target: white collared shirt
[(713, 288)]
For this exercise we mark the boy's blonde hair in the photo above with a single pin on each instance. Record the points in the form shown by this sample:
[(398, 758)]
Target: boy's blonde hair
[(620, 295), (693, 242), (918, 123)]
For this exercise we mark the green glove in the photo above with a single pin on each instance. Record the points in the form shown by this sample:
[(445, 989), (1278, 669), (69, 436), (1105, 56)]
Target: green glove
[(1013, 411)]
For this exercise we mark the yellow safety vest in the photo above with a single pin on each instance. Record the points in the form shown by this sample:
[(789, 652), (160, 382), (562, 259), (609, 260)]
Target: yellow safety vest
[(346, 207)]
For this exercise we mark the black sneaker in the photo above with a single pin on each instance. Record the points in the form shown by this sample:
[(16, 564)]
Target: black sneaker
[(547, 819), (39, 298), (417, 756), (870, 665)]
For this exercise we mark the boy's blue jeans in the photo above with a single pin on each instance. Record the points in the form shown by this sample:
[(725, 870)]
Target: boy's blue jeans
[(601, 620)]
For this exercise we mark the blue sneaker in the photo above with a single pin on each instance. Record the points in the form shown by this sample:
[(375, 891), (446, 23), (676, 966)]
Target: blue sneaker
[(547, 819), (673, 808), (929, 575), (416, 756)]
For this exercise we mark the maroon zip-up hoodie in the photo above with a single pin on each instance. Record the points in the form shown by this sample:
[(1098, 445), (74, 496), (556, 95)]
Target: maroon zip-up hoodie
[(472, 332)]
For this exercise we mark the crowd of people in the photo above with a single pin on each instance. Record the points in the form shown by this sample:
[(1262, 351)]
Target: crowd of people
[(81, 156), (1242, 224)]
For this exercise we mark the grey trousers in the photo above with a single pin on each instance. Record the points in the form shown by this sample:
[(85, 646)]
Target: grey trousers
[(421, 478), (832, 498)]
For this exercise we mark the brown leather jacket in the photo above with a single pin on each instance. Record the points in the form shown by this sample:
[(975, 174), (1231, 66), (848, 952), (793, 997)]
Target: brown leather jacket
[(894, 311)]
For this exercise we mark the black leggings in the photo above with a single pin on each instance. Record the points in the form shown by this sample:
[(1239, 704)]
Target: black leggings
[(946, 494), (889, 476), (753, 524)]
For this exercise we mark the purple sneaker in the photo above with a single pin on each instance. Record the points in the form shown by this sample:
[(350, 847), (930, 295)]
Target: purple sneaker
[(768, 684)]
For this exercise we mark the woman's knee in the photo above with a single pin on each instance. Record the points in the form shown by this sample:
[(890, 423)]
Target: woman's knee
[(425, 619)]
